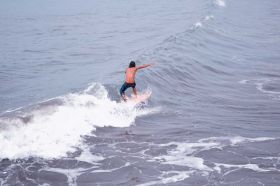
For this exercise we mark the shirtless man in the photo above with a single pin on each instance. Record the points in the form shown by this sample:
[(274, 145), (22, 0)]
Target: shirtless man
[(130, 78)]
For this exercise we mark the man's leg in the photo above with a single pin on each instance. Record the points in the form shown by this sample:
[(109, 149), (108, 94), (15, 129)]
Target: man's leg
[(124, 97), (134, 91), (122, 90)]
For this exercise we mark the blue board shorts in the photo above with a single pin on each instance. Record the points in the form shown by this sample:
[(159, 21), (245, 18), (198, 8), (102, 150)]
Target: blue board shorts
[(126, 86)]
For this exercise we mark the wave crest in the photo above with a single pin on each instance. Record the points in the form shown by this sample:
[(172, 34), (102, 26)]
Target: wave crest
[(54, 130)]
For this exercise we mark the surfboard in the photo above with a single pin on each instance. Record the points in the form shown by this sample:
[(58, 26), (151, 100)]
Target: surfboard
[(142, 97)]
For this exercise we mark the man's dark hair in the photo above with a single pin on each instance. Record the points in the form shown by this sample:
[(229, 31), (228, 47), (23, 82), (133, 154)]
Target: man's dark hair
[(131, 64)]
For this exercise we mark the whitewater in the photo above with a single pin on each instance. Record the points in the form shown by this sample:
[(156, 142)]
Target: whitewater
[(213, 116)]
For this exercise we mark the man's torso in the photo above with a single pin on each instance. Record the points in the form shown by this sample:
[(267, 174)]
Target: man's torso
[(130, 75)]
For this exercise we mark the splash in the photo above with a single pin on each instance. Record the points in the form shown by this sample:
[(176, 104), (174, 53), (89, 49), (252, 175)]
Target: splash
[(53, 131)]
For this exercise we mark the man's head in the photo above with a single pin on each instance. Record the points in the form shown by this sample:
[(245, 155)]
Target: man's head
[(131, 64)]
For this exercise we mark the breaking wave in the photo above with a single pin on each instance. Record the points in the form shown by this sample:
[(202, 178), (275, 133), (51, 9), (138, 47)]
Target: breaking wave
[(56, 127)]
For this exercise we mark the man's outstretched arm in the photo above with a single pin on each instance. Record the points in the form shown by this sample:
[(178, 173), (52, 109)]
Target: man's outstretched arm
[(143, 66)]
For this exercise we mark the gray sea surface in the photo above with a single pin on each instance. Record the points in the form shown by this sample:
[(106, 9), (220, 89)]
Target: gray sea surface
[(213, 117)]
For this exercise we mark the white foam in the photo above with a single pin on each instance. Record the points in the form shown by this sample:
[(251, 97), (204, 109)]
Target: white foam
[(268, 158), (239, 139), (220, 3), (260, 83), (234, 140), (87, 156), (44, 184), (197, 25), (206, 18), (189, 148), (166, 179), (253, 167), (181, 155), (13, 110), (244, 81), (260, 87), (111, 170), (56, 130), (71, 174)]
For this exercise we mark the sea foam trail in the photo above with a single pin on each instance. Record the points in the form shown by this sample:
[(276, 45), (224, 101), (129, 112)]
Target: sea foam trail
[(53, 131)]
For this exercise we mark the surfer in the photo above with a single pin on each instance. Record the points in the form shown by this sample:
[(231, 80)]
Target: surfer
[(130, 79)]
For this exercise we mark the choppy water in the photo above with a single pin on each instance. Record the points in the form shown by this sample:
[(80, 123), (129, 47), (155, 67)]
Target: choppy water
[(213, 118)]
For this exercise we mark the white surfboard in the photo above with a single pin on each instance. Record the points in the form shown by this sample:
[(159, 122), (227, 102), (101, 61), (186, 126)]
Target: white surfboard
[(143, 97)]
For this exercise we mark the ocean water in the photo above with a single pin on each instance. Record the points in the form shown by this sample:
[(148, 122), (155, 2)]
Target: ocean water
[(213, 117)]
